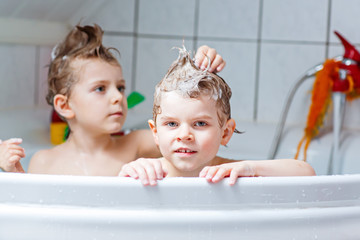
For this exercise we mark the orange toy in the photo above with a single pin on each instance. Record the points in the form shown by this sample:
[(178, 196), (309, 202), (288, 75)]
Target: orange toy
[(336, 76)]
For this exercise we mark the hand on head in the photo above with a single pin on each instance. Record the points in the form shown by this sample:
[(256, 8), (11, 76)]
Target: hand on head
[(10, 155), (204, 54)]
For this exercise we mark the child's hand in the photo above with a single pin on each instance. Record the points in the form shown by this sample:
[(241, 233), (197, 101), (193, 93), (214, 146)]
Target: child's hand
[(10, 155), (233, 170), (148, 170), (201, 61)]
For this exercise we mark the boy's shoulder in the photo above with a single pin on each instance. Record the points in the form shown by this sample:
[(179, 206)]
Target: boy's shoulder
[(42, 159), (140, 133), (217, 160), (137, 137), (144, 142)]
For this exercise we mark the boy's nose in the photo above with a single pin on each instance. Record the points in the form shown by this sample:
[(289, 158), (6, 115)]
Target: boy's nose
[(116, 97), (185, 134)]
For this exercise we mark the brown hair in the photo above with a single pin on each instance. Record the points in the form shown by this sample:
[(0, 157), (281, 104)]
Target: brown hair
[(188, 80), (81, 43)]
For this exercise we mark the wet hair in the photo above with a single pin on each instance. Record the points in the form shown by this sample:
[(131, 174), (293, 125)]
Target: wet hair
[(82, 42), (189, 81)]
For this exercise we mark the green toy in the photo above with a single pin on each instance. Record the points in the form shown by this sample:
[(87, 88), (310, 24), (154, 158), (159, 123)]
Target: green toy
[(134, 99)]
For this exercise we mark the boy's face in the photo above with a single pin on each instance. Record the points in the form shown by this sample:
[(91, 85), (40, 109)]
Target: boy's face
[(188, 132), (98, 98)]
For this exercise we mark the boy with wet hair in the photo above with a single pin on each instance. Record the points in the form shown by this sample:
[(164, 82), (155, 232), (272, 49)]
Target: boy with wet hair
[(191, 119), (87, 89)]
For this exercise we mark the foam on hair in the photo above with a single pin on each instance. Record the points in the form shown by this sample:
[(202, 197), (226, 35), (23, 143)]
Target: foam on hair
[(189, 81)]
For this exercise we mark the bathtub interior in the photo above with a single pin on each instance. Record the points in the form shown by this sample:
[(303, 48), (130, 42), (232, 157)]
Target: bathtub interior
[(33, 126)]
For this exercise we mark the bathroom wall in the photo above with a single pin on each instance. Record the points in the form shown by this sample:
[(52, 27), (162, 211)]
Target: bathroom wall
[(268, 45)]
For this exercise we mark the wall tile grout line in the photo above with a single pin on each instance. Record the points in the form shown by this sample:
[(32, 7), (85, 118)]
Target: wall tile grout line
[(328, 29), (257, 64), (135, 45), (37, 75), (215, 39), (196, 24)]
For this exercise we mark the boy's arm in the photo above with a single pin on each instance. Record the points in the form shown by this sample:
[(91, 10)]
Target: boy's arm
[(11, 154), (147, 170), (256, 168), (206, 53)]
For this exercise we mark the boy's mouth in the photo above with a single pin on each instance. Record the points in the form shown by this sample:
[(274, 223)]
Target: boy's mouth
[(185, 150), (116, 114)]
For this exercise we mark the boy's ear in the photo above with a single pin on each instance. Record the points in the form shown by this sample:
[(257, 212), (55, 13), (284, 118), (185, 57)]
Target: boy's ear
[(61, 106), (228, 131), (152, 126)]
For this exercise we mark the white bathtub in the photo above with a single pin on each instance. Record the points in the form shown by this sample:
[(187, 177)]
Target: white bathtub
[(69, 207), (65, 207)]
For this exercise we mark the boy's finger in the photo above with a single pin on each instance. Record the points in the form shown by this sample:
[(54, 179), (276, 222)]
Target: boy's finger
[(128, 171), (211, 173), (13, 159), (215, 63), (143, 177), (220, 174), (234, 175), (158, 170), (19, 167), (165, 172), (150, 173), (200, 55), (204, 172), (18, 152), (14, 140), (209, 57), (220, 67)]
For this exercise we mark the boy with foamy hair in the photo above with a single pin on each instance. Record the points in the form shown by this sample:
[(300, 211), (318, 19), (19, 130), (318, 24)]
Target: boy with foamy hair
[(191, 119)]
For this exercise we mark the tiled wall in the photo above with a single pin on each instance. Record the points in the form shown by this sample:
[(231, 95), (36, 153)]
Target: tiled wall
[(268, 45)]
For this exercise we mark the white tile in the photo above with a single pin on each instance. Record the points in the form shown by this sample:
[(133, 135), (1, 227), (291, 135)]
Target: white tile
[(17, 72), (170, 17), (345, 18), (352, 114), (304, 20), (239, 73), (62, 11), (229, 18), (280, 67), (335, 50), (125, 47), (114, 15), (154, 57), (44, 61)]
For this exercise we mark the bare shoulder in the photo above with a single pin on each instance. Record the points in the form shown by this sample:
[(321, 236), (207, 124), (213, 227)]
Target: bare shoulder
[(39, 162), (144, 142), (141, 133), (220, 160)]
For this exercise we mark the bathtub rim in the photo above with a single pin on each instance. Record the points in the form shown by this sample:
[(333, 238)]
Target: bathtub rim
[(115, 192)]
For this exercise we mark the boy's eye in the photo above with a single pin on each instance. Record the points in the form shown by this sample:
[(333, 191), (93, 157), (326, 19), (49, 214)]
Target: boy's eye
[(171, 124), (121, 89), (100, 89), (200, 124)]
